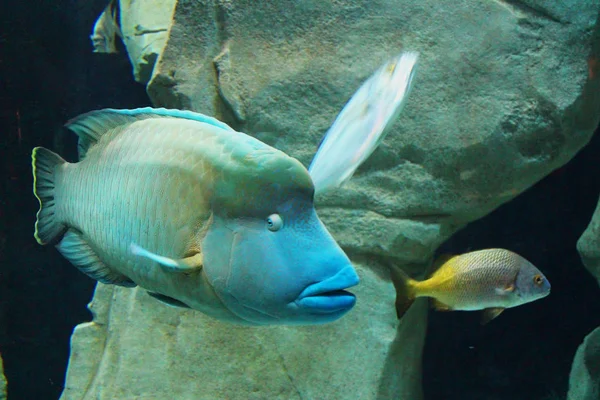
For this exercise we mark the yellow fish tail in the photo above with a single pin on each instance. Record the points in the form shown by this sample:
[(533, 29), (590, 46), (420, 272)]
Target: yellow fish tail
[(405, 291)]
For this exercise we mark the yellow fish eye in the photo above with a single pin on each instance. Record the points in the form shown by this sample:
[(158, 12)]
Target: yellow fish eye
[(538, 279)]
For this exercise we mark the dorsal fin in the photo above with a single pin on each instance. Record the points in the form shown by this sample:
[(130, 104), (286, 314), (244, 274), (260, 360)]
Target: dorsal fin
[(92, 125)]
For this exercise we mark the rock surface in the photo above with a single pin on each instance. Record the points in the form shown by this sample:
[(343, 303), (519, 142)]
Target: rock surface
[(584, 382), (2, 382), (588, 245), (137, 348), (494, 108)]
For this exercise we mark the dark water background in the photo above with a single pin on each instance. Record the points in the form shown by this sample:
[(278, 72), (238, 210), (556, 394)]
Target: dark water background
[(48, 74)]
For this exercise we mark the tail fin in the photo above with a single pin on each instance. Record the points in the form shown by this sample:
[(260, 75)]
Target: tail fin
[(405, 293), (44, 163)]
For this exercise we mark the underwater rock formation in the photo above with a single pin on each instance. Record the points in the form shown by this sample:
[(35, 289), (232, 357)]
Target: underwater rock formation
[(2, 382), (584, 381), (494, 108), (588, 245), (137, 346)]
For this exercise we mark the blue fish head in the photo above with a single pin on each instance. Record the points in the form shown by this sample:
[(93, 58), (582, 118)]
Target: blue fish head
[(282, 267)]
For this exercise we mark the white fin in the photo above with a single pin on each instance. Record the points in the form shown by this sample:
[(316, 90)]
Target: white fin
[(183, 265), (139, 251), (360, 126), (106, 29)]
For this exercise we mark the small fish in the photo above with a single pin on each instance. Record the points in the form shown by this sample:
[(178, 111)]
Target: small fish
[(107, 28), (489, 280), (199, 215), (362, 124)]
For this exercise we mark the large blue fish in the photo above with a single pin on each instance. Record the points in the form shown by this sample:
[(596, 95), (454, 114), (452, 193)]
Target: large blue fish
[(204, 217), (197, 214)]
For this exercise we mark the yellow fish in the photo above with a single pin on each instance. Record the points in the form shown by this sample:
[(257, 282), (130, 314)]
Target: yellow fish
[(489, 280)]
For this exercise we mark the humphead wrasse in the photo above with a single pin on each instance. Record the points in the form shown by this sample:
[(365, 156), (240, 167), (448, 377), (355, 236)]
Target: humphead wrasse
[(489, 280), (194, 212)]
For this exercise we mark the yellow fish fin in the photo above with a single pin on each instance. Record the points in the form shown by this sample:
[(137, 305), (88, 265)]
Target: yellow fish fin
[(490, 313), (405, 291), (188, 264), (439, 306)]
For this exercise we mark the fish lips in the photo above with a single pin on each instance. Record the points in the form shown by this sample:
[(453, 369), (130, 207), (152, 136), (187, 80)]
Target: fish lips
[(546, 288), (329, 296)]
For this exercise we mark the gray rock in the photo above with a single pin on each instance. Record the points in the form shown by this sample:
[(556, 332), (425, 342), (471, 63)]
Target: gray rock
[(505, 92), (138, 348), (494, 108), (588, 245), (584, 381)]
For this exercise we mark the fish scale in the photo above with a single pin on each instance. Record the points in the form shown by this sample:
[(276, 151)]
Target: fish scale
[(120, 166), (476, 279)]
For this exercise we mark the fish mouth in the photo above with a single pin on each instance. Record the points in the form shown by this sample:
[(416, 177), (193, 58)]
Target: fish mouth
[(330, 296)]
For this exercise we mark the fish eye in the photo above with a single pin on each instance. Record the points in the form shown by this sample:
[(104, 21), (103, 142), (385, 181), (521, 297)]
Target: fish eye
[(274, 222), (538, 279)]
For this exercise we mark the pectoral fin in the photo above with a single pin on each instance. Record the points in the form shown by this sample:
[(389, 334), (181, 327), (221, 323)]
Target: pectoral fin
[(503, 291), (489, 314), (188, 264)]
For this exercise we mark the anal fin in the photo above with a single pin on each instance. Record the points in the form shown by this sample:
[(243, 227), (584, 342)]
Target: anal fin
[(75, 249), (439, 306), (489, 314), (168, 300)]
